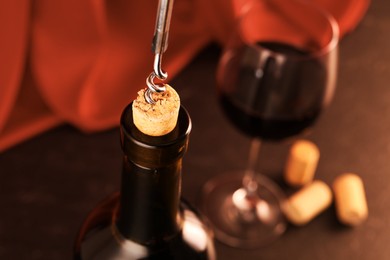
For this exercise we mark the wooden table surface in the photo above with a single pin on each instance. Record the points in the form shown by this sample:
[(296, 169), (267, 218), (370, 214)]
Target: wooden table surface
[(48, 184)]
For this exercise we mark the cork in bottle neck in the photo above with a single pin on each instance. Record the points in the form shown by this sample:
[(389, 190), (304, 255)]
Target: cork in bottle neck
[(154, 151)]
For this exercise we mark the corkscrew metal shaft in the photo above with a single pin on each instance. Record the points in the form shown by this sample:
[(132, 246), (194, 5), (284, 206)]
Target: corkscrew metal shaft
[(159, 46)]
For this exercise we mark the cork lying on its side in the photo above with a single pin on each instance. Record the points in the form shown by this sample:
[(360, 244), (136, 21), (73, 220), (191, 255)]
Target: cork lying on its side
[(350, 197), (160, 118), (307, 203)]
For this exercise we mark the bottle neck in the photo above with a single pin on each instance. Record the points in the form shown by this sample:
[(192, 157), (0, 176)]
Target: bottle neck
[(151, 181), (149, 202)]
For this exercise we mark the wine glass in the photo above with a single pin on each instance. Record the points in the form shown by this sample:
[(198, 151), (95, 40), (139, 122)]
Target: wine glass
[(276, 74)]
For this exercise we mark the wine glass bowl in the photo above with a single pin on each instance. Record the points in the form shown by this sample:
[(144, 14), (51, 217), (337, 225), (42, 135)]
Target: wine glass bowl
[(276, 74), (284, 74)]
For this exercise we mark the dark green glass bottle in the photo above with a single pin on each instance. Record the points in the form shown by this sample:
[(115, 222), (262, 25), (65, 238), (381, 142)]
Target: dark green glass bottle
[(147, 219)]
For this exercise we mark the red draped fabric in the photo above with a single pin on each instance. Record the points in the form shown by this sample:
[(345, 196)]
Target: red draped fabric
[(81, 61)]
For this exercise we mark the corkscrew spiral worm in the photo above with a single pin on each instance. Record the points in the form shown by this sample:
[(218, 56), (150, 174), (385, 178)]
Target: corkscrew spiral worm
[(159, 46)]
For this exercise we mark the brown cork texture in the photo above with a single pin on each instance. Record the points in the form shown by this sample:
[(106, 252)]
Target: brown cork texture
[(160, 118)]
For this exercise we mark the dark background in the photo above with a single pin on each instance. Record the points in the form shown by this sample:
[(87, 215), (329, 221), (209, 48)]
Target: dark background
[(48, 184)]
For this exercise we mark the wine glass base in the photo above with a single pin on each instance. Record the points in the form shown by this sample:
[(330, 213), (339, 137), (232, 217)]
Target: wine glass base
[(242, 225)]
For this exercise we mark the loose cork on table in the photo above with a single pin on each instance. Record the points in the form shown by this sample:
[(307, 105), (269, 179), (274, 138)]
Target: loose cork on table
[(307, 203), (350, 199), (159, 118), (301, 163)]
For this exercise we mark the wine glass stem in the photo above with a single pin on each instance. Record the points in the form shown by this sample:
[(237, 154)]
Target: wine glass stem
[(249, 181)]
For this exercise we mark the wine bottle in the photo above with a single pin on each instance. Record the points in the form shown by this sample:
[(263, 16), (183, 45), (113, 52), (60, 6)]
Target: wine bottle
[(147, 219)]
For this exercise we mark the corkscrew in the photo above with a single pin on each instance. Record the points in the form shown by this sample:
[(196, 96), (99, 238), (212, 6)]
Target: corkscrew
[(159, 46)]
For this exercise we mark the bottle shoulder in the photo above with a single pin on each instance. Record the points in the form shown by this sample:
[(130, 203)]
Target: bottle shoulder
[(99, 238)]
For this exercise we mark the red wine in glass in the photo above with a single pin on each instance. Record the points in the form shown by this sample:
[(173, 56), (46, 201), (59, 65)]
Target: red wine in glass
[(273, 92), (276, 74)]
